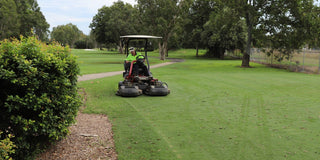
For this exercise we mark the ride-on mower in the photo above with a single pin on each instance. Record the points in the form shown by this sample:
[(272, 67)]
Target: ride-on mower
[(139, 82)]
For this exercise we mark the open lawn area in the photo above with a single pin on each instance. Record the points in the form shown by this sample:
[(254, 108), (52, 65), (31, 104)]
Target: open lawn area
[(216, 110)]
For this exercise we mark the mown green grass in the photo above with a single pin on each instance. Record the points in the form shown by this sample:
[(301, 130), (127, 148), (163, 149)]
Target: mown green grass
[(97, 61), (216, 110)]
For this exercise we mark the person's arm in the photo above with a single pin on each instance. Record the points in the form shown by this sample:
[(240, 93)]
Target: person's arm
[(130, 58)]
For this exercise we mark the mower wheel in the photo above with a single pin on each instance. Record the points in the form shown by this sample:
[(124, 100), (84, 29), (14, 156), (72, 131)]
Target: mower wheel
[(161, 89), (126, 91), (158, 91)]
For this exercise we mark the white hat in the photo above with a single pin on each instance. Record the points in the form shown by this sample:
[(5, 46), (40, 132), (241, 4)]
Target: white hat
[(131, 49)]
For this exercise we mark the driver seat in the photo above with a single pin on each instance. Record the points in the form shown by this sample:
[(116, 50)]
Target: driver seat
[(140, 70)]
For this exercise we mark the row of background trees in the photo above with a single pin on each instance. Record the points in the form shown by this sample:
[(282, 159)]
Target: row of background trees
[(216, 25), (24, 17)]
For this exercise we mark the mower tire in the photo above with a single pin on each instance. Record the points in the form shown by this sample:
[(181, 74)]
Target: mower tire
[(158, 91), (126, 91)]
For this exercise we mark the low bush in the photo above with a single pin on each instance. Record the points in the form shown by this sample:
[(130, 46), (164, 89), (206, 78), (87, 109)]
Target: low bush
[(38, 93), (6, 146)]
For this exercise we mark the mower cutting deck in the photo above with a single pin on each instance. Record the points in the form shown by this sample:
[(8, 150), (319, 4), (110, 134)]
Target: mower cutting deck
[(136, 84)]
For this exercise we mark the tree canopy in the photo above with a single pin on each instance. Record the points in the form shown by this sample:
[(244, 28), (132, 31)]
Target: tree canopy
[(224, 31), (9, 21), (66, 34), (278, 23), (21, 17), (112, 22), (161, 17)]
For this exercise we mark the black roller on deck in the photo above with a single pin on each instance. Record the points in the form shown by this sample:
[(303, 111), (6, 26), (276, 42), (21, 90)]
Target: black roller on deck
[(158, 91), (129, 91)]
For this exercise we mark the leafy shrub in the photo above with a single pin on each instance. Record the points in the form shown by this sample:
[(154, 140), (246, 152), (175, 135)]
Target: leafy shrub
[(38, 93), (6, 147)]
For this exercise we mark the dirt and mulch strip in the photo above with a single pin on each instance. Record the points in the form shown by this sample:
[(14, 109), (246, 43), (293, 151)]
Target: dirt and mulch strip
[(91, 137)]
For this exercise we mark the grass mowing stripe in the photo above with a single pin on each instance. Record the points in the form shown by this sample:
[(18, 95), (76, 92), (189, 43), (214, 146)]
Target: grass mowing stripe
[(143, 115), (146, 145)]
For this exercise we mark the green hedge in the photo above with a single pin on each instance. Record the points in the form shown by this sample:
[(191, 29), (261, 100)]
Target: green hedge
[(6, 147), (38, 93)]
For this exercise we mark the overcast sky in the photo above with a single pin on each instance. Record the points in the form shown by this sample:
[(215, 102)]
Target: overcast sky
[(77, 12)]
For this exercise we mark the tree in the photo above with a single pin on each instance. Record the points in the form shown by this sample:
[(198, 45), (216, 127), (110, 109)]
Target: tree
[(31, 18), (159, 17), (193, 23), (41, 29), (214, 25), (85, 42), (22, 17), (224, 31), (251, 11), (9, 19), (290, 29), (112, 22), (314, 19), (281, 22), (66, 34)]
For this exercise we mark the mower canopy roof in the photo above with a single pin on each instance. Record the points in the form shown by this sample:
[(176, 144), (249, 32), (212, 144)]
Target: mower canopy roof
[(140, 37)]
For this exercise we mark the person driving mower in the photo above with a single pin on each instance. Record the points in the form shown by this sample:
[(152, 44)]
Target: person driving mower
[(137, 76), (134, 56)]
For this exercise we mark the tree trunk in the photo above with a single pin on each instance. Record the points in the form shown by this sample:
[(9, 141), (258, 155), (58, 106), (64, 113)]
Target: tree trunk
[(217, 52), (221, 51), (120, 47), (161, 52), (246, 55), (165, 48), (214, 52), (197, 48)]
